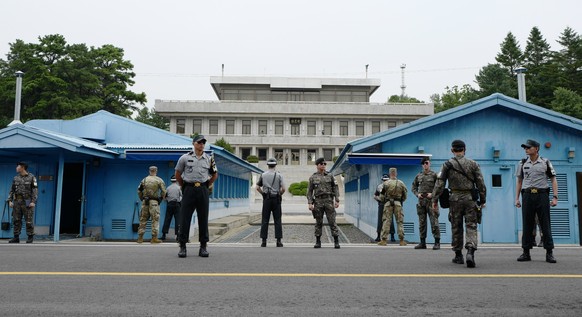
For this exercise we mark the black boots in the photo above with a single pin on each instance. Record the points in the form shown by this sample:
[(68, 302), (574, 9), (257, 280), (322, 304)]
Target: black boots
[(458, 257), (317, 242), (30, 238), (336, 242), (524, 256), (16, 239), (471, 257), (163, 237), (264, 243), (202, 252), (437, 244), (550, 257), (377, 238), (279, 243), (392, 238), (182, 253), (421, 245)]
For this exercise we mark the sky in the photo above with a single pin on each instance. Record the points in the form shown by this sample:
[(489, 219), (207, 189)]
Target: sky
[(176, 45)]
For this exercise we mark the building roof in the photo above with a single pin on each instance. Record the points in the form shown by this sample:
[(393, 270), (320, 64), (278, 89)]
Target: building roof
[(370, 144)]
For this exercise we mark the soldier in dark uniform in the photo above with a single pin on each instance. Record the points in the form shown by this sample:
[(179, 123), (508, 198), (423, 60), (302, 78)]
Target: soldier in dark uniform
[(323, 197), (381, 211), (272, 187), (195, 172), (173, 198), (22, 197), (463, 175), (422, 187), (532, 182)]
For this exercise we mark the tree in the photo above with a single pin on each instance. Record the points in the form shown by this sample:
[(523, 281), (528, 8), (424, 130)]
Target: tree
[(567, 102), (541, 76), (147, 116), (66, 81), (510, 56), (453, 97), (225, 145), (494, 79), (405, 99), (569, 59)]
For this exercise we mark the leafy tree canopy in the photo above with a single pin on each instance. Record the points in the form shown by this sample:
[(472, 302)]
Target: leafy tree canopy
[(147, 116), (403, 99), (66, 81), (223, 144)]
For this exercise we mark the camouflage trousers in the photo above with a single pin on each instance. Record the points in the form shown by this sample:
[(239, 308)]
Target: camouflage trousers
[(324, 206), (424, 209), (151, 210), (20, 210), (463, 210), (396, 211)]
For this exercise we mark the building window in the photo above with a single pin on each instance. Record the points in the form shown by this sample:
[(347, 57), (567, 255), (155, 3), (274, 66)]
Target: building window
[(391, 124), (262, 154), (375, 126), (496, 180), (311, 157), (311, 127), (230, 94), (327, 128), (262, 127), (359, 128), (197, 126), (295, 129), (343, 126), (245, 152), (246, 127), (279, 127), (295, 157), (328, 154), (213, 126), (180, 126), (279, 156), (229, 126)]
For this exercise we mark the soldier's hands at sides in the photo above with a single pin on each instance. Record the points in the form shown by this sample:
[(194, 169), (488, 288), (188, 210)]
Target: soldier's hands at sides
[(10, 204), (31, 205), (517, 203), (336, 205), (554, 202), (310, 207), (435, 205)]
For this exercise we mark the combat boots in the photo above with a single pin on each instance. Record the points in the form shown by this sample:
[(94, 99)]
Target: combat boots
[(421, 245), (392, 238), (279, 243), (163, 237), (402, 242), (202, 252), (140, 238), (524, 256), (550, 257), (317, 243), (437, 244), (471, 257), (182, 253), (16, 239), (155, 240), (383, 242), (30, 238), (377, 238), (336, 242), (458, 257)]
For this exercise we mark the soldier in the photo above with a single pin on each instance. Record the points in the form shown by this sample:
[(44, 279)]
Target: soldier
[(151, 191), (532, 181), (422, 187), (463, 175), (323, 197), (195, 172), (271, 187), (22, 197), (173, 198), (381, 211), (394, 193)]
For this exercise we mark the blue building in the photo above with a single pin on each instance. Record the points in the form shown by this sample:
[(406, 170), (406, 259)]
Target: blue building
[(88, 170), (493, 129)]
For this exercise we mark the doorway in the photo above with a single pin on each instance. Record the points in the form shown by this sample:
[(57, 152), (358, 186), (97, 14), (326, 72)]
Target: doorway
[(578, 201), (72, 198)]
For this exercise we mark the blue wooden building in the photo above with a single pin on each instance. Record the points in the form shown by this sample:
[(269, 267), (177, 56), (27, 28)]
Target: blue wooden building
[(88, 170), (493, 129)]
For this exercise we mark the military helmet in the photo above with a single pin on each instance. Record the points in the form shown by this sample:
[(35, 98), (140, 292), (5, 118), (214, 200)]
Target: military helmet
[(271, 161)]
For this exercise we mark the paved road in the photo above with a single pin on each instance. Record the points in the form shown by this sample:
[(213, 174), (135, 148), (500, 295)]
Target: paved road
[(126, 279)]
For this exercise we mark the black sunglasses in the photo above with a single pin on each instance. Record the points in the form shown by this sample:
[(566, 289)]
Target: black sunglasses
[(323, 163), (201, 142), (425, 163)]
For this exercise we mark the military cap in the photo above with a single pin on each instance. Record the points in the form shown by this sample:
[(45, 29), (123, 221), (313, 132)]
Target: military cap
[(319, 161), (173, 178), (458, 144), (24, 165), (424, 159), (530, 143), (385, 177), (198, 137), (271, 161)]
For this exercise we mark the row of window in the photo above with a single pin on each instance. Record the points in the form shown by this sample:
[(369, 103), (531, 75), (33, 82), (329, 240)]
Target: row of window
[(288, 156), (308, 96)]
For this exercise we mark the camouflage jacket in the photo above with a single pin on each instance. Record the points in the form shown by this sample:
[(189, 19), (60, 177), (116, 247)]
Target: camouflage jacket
[(460, 185), (24, 187), (321, 185), (394, 189), (424, 182), (151, 187)]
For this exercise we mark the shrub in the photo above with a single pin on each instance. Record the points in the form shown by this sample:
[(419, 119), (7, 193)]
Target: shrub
[(252, 159), (299, 189)]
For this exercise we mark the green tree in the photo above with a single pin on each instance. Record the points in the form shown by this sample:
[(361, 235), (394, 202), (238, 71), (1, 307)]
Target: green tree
[(454, 97), (65, 81), (510, 55), (569, 59), (567, 102), (225, 145), (494, 79), (147, 116), (541, 76), (405, 99)]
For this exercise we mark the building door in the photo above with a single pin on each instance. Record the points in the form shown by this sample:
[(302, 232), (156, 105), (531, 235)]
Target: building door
[(578, 201), (499, 222), (72, 198)]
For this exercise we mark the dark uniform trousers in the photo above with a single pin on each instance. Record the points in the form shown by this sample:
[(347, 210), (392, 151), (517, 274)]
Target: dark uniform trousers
[(381, 220), (536, 204), (194, 198), (172, 210), (271, 204)]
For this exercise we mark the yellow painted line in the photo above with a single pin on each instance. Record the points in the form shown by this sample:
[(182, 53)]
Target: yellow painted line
[(355, 275)]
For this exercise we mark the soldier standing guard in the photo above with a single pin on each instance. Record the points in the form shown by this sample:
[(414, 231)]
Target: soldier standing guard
[(195, 172), (271, 186), (22, 197), (422, 187), (394, 194), (151, 191), (463, 175), (381, 211), (323, 197), (173, 198)]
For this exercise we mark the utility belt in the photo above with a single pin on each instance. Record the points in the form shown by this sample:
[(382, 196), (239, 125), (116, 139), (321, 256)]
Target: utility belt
[(393, 201), (20, 197), (196, 184), (324, 196), (461, 190), (172, 203), (533, 190)]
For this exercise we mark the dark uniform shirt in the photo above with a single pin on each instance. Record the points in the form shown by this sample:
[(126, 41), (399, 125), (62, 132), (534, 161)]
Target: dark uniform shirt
[(321, 185), (424, 182)]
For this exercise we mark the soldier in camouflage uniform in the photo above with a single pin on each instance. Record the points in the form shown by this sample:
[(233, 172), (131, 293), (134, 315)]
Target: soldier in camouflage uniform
[(22, 197), (151, 191), (323, 197), (463, 175), (422, 187), (394, 194)]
